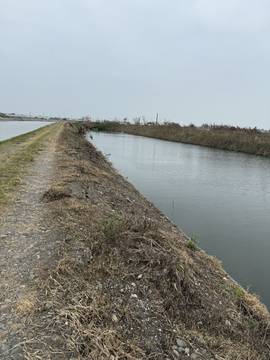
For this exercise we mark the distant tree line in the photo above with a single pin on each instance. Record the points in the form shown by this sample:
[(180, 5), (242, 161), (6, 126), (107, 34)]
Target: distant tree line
[(141, 121)]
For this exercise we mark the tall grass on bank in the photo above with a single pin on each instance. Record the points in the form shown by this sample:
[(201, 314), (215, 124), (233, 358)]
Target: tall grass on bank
[(246, 140)]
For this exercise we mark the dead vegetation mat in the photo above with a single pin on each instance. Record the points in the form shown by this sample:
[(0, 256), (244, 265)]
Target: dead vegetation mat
[(128, 284)]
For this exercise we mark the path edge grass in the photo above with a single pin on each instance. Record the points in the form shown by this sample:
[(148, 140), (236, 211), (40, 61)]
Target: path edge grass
[(16, 165)]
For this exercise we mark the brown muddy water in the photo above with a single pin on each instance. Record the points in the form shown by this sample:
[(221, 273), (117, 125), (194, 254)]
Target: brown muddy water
[(221, 198)]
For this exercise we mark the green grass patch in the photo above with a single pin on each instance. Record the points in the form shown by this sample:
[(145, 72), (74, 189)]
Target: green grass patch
[(192, 243), (112, 227), (239, 292)]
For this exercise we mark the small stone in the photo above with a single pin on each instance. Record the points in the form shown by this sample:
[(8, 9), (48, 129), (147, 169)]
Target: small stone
[(176, 353), (114, 318), (228, 323), (140, 276), (134, 296), (133, 284), (181, 343)]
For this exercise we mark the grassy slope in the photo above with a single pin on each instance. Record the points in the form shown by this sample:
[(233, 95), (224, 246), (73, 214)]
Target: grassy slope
[(15, 156), (241, 140), (129, 284)]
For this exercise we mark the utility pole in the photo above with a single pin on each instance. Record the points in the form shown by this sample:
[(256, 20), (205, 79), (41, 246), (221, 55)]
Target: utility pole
[(157, 119)]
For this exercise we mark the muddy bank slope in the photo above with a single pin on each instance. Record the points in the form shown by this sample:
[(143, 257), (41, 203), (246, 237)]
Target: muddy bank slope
[(129, 284)]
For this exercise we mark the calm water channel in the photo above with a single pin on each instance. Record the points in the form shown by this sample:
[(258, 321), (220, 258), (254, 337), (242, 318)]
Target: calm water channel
[(9, 129), (220, 197)]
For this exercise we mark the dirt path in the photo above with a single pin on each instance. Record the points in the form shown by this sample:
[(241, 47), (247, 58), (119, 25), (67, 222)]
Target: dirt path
[(28, 246)]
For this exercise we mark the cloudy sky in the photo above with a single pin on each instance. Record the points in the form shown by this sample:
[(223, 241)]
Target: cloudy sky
[(189, 60)]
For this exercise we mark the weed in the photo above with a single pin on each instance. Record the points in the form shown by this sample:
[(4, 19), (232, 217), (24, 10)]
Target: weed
[(252, 323), (112, 226), (192, 243), (239, 292)]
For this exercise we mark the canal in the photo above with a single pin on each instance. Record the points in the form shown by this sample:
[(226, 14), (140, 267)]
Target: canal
[(220, 198)]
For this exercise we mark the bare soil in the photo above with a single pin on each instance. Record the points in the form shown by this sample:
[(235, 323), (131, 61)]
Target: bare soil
[(92, 270)]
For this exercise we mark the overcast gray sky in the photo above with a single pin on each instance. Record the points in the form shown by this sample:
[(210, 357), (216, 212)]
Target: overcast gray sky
[(190, 60)]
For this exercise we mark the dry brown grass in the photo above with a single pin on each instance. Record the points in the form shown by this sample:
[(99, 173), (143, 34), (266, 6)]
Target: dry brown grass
[(248, 141), (27, 305), (128, 285)]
